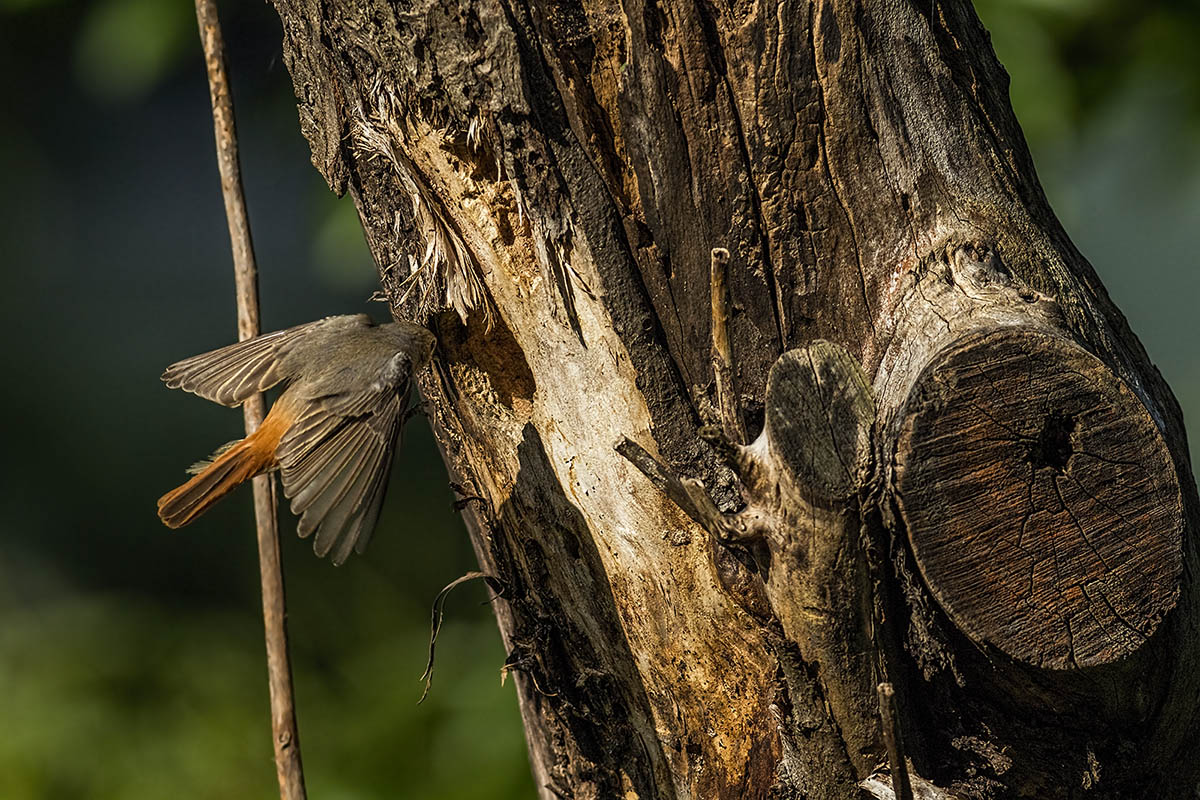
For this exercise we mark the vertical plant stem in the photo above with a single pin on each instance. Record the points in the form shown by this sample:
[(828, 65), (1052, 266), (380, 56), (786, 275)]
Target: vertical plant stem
[(279, 669)]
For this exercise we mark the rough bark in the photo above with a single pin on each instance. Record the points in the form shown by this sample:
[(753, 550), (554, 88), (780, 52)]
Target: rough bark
[(966, 479)]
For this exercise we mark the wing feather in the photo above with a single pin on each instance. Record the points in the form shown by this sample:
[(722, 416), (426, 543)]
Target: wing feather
[(322, 459), (361, 524), (360, 528), (374, 502), (334, 468), (326, 474), (339, 522), (313, 426), (231, 374)]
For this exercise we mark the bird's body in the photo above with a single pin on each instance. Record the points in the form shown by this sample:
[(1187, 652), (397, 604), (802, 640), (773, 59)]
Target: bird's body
[(330, 434)]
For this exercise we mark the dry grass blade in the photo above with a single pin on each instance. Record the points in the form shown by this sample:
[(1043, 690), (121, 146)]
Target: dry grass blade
[(439, 604)]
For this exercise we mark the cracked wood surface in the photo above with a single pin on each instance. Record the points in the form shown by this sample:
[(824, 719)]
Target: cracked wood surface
[(544, 183), (1040, 500)]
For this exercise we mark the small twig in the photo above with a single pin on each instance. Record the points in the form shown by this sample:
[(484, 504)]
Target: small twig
[(728, 406), (688, 494), (901, 785), (285, 733)]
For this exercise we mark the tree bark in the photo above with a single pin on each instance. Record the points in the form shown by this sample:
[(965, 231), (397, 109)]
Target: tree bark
[(966, 478)]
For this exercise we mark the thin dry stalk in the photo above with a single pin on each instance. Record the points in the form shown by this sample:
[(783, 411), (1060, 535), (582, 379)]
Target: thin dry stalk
[(728, 405), (901, 784), (279, 670)]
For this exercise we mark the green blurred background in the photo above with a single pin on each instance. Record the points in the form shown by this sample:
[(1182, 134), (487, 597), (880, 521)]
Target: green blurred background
[(131, 659)]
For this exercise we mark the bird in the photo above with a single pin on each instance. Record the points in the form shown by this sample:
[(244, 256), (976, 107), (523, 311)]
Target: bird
[(330, 434)]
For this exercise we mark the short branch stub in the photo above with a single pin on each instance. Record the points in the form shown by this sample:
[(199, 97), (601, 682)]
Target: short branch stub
[(1041, 501)]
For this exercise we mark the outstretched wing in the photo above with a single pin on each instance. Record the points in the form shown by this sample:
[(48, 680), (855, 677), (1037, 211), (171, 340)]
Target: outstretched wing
[(334, 463), (232, 374)]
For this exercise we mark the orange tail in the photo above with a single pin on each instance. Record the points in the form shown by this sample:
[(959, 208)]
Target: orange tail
[(246, 458)]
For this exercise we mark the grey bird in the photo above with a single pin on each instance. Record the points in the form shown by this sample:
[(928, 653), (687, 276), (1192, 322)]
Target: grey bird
[(331, 433)]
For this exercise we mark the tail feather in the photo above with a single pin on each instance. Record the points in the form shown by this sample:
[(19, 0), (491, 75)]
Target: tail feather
[(205, 463), (236, 465)]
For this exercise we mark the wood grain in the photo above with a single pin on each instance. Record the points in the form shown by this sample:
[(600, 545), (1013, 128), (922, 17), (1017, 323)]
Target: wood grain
[(1041, 502)]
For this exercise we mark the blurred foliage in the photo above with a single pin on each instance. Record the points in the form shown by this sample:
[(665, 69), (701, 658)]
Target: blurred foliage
[(131, 660), (1068, 59), (126, 47), (338, 252), (105, 698)]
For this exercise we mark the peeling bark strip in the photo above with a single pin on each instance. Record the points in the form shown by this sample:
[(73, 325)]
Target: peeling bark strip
[(967, 479)]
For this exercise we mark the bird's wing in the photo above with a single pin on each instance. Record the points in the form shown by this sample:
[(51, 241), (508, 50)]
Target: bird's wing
[(334, 463), (232, 374)]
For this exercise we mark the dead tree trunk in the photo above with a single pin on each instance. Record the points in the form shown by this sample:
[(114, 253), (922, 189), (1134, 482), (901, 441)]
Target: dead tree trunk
[(966, 478)]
